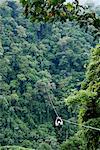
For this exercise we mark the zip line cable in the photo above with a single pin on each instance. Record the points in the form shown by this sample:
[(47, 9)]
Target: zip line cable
[(70, 122), (89, 127), (53, 105)]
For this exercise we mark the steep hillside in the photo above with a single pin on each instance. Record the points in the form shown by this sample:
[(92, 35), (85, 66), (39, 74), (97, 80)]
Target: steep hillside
[(37, 60)]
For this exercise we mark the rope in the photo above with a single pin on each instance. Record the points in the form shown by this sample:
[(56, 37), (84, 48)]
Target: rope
[(70, 122)]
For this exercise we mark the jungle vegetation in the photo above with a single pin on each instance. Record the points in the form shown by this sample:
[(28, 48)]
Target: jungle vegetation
[(38, 59)]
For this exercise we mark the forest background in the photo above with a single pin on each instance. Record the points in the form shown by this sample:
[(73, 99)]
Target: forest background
[(37, 60)]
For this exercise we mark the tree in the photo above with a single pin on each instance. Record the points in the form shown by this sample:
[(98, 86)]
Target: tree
[(73, 143), (55, 10), (31, 60), (88, 100), (44, 146)]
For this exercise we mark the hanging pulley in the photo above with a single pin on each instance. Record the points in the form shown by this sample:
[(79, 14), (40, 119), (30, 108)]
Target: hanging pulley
[(58, 122)]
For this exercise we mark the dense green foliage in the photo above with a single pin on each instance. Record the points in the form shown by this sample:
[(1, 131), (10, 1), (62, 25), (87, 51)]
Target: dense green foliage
[(37, 60), (60, 10), (88, 100)]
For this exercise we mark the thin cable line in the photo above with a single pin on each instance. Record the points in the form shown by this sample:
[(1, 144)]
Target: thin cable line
[(89, 127), (52, 104)]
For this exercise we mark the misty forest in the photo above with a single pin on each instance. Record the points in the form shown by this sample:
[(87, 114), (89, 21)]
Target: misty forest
[(49, 75)]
